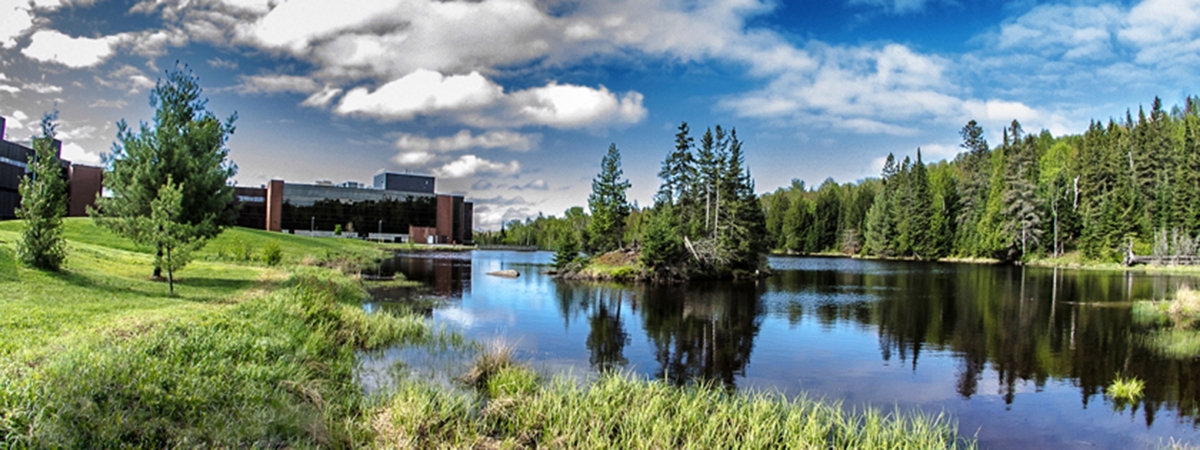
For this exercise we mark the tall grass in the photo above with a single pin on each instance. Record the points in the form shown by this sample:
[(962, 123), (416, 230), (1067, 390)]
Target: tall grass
[(621, 411), (1174, 323), (274, 371)]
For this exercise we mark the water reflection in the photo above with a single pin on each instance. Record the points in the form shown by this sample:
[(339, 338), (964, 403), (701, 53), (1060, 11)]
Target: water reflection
[(1042, 343)]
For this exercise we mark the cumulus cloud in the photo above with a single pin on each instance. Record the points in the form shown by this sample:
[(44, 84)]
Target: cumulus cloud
[(15, 18), (569, 106), (126, 78), (421, 92), (52, 46), (468, 165), (478, 101), (78, 155), (464, 139), (322, 98)]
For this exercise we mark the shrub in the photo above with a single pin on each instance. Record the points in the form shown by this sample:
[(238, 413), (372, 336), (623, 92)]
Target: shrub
[(1126, 389), (271, 253)]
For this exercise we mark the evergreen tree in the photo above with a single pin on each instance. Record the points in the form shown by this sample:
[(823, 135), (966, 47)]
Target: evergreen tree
[(568, 251), (608, 204), (43, 203), (186, 144), (1022, 219), (163, 229), (661, 244)]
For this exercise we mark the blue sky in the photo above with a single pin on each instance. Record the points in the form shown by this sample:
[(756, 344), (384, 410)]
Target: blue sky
[(514, 102)]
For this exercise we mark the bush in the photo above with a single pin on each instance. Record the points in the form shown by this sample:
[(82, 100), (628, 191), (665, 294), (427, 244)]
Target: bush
[(271, 253)]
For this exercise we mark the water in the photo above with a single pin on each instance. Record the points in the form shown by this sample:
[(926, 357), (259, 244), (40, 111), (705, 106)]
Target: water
[(1019, 356)]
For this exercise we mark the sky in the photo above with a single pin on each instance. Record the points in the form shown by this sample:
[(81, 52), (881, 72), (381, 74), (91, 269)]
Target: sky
[(513, 103)]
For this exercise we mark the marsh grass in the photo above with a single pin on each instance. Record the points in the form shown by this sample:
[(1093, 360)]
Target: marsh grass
[(1174, 330), (495, 357), (1126, 389), (621, 411)]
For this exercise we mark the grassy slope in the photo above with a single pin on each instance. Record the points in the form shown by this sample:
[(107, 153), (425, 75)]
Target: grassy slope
[(245, 355)]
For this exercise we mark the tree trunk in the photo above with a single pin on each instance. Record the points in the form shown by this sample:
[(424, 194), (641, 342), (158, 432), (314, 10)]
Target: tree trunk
[(157, 269)]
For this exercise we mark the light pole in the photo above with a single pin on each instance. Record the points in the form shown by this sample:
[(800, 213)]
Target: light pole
[(380, 230), (312, 229)]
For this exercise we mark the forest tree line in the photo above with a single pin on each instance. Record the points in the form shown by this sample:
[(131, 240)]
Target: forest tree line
[(1131, 184), (1127, 185)]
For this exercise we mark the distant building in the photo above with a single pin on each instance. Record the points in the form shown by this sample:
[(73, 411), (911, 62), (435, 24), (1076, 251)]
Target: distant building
[(83, 182), (399, 208)]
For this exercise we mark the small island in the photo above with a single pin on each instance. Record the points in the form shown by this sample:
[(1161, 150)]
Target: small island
[(706, 222)]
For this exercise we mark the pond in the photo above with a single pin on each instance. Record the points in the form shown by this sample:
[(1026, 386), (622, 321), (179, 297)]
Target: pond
[(1020, 356)]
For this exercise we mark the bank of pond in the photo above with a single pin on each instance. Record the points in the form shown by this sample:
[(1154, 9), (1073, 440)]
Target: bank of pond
[(251, 355)]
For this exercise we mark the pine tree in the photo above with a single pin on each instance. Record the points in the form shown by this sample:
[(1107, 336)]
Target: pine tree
[(43, 203), (608, 204), (1022, 219), (186, 144)]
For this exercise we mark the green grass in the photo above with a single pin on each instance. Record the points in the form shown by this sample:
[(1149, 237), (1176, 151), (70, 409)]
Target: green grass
[(1126, 389), (98, 355), (621, 411)]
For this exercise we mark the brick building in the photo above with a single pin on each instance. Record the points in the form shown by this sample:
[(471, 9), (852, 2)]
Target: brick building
[(83, 182), (397, 207)]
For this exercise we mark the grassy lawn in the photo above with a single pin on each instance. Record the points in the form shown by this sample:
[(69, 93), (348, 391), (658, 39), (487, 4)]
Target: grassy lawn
[(244, 355)]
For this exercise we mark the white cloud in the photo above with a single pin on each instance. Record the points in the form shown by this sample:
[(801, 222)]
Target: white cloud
[(43, 88), (270, 84), (468, 165), (1164, 30), (52, 46), (415, 158), (421, 92), (865, 90), (76, 154), (126, 78), (480, 102), (1074, 32), (465, 140), (322, 98), (569, 106), (9, 89), (893, 6), (15, 18)]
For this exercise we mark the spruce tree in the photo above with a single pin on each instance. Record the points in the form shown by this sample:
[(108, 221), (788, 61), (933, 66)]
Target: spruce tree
[(43, 204), (608, 204)]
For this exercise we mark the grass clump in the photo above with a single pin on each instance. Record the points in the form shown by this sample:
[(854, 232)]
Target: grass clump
[(1126, 389), (621, 411)]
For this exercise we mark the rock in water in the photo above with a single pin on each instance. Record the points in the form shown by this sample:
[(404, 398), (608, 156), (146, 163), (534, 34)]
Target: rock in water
[(505, 273)]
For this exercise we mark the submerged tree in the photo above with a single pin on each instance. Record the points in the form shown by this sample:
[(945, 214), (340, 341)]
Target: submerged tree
[(186, 144), (43, 204)]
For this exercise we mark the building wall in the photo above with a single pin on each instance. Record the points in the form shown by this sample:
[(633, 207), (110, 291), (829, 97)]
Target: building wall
[(84, 185), (274, 205), (252, 207), (421, 235), (404, 182), (14, 159), (445, 218)]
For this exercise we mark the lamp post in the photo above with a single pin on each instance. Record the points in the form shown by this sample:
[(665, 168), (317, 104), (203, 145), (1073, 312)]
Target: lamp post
[(380, 230), (312, 229)]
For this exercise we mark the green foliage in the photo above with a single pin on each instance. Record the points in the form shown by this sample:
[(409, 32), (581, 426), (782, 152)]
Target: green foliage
[(568, 252), (661, 245), (272, 253), (186, 144), (43, 204), (608, 205), (337, 230)]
